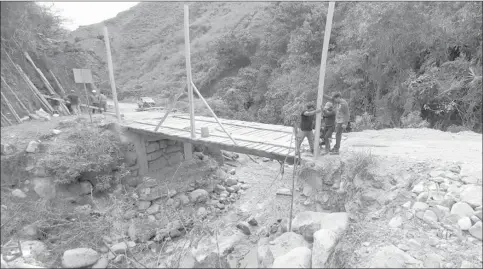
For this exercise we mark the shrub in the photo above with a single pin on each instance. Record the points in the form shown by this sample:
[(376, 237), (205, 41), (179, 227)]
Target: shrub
[(364, 122), (89, 149), (456, 129), (413, 120)]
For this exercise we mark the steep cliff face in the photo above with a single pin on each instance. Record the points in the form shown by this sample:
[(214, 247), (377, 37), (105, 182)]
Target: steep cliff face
[(147, 42)]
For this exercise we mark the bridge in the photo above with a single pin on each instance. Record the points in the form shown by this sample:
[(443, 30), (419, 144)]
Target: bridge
[(252, 138)]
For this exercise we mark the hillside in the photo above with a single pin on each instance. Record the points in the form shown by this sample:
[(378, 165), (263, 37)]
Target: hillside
[(398, 64), (148, 42)]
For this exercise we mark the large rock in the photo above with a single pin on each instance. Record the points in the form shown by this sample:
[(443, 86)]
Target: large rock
[(472, 195), (244, 227), (476, 230), (265, 257), (44, 187), (285, 243), (464, 223), (392, 257), (32, 147), (336, 222), (79, 257), (324, 242), (462, 210), (103, 262), (209, 245), (296, 258), (307, 223), (19, 194), (199, 196), (33, 249)]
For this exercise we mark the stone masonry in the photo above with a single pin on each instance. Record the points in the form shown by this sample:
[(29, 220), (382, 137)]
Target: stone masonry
[(162, 153)]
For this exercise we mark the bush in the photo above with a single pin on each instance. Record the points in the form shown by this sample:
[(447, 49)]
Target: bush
[(413, 120), (456, 129), (364, 122), (89, 149)]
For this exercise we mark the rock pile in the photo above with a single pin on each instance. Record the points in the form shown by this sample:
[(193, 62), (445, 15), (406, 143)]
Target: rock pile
[(293, 249), (448, 198)]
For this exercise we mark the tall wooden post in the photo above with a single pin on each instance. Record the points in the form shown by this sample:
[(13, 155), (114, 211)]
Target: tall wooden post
[(323, 63), (87, 101), (188, 68), (111, 74)]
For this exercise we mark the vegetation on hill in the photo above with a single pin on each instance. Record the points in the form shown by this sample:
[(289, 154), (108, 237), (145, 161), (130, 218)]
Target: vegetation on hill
[(398, 64), (260, 61)]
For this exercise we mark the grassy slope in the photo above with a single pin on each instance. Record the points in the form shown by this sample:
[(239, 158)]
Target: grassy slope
[(148, 42)]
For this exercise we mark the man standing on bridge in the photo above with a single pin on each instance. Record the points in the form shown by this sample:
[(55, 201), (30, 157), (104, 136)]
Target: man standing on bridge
[(341, 119), (307, 125)]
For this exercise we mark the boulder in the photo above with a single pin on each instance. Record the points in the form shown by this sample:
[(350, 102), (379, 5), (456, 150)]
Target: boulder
[(324, 242), (395, 222), (143, 205), (208, 245), (296, 258), (153, 209), (199, 196), (33, 249), (307, 222), (464, 223), (462, 209), (243, 226), (336, 222), (44, 187), (392, 257), (122, 247), (430, 216), (420, 206), (285, 243), (252, 221), (30, 231), (101, 263), (79, 257), (19, 194), (418, 188), (230, 181), (201, 212), (32, 147), (476, 230), (472, 195)]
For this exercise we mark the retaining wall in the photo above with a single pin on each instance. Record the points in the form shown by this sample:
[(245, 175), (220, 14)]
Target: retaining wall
[(150, 154)]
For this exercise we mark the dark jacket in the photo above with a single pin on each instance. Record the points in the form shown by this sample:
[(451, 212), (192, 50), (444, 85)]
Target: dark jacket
[(306, 123), (329, 117)]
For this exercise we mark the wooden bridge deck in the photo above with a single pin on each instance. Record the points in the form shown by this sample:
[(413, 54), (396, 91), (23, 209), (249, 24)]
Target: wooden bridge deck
[(265, 140)]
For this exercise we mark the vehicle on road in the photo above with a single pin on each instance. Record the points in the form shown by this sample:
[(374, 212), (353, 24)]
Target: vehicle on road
[(145, 102)]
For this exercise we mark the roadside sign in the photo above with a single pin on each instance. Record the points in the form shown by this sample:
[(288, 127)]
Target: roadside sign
[(82, 76)]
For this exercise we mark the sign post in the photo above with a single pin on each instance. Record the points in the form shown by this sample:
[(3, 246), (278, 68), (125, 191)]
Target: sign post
[(84, 76), (323, 63)]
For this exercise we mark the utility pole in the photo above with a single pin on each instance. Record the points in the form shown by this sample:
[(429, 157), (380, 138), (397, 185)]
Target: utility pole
[(188, 69), (111, 73), (323, 64)]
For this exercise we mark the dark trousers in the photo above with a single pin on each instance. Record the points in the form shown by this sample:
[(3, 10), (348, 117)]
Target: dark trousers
[(338, 135), (327, 136)]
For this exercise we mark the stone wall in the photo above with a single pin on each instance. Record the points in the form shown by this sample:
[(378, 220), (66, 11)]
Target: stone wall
[(163, 152), (150, 154)]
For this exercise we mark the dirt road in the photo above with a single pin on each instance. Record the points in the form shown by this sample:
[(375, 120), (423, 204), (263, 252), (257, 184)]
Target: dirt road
[(416, 144)]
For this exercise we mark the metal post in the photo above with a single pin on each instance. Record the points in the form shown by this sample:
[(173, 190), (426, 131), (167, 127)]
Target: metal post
[(323, 62), (188, 69), (111, 74)]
